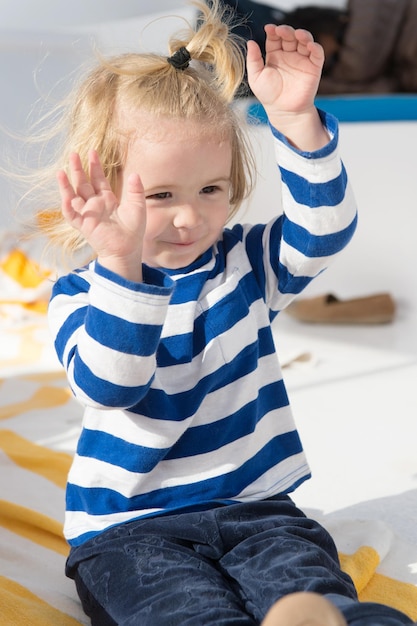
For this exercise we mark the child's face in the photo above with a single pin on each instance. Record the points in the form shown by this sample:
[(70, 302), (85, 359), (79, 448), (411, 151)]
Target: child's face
[(186, 176)]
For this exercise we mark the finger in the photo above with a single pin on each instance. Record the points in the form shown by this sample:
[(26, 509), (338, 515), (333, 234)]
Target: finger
[(254, 61), (316, 53), (135, 193), (288, 39), (135, 186), (65, 188), (67, 194), (304, 37), (273, 42), (79, 179), (98, 178), (132, 207), (280, 37)]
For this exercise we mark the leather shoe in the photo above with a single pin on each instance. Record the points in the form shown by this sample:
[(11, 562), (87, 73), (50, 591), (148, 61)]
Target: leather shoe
[(328, 309)]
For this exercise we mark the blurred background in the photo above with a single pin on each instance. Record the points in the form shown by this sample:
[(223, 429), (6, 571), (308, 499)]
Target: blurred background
[(43, 44)]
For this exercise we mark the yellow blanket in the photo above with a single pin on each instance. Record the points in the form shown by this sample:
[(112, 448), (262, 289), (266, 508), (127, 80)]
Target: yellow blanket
[(39, 422), (39, 426)]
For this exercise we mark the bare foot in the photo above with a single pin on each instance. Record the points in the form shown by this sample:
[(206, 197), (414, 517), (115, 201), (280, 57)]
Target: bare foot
[(304, 609)]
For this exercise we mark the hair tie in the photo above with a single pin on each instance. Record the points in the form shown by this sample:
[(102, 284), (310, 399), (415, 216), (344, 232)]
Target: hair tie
[(180, 59)]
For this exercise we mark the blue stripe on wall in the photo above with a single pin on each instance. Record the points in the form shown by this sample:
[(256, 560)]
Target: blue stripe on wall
[(356, 108)]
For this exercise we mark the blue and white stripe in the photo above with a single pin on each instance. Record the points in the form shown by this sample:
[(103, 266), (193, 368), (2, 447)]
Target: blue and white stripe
[(185, 402)]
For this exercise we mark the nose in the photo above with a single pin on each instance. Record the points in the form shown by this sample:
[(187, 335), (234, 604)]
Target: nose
[(187, 216)]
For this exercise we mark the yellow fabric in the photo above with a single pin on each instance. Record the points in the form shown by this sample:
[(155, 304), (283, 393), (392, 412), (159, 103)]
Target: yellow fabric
[(43, 398), (48, 377), (374, 587), (23, 270), (48, 463), (38, 306), (401, 596), (360, 566), (24, 283), (34, 526), (20, 607)]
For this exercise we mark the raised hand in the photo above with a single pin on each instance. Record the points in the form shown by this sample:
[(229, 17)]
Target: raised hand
[(113, 228), (287, 81)]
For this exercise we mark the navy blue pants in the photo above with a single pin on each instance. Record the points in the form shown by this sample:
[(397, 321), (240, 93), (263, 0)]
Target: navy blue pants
[(224, 566)]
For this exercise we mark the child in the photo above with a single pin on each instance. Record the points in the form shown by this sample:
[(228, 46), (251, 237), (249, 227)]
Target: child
[(177, 505)]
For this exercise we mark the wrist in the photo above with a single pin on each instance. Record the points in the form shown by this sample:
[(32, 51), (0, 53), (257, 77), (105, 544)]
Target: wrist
[(304, 130), (129, 268)]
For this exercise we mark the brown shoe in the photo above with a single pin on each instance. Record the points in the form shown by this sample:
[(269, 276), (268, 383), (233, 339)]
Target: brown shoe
[(327, 309)]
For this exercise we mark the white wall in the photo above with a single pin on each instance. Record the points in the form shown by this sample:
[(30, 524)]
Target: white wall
[(382, 256), (57, 15)]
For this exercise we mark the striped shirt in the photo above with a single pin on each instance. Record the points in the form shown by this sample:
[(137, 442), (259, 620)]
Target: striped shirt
[(185, 405)]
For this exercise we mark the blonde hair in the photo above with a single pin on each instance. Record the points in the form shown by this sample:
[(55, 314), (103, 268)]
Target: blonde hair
[(202, 92)]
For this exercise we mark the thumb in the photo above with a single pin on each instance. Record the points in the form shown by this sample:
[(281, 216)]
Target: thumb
[(135, 187), (135, 195), (254, 61), (133, 207)]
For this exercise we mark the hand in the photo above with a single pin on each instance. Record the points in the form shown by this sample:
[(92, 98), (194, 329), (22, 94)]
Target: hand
[(114, 230), (289, 78), (287, 82)]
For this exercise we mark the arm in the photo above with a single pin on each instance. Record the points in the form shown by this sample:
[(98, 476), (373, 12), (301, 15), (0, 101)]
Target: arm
[(106, 332), (113, 228), (319, 208), (318, 219), (287, 82), (106, 320)]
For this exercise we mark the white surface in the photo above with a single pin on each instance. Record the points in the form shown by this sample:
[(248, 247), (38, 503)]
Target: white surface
[(360, 436), (382, 256), (355, 405), (44, 15), (354, 396)]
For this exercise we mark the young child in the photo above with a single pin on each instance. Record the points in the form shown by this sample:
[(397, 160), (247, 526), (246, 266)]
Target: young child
[(177, 505)]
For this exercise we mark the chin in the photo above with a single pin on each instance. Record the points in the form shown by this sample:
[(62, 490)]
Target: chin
[(172, 264)]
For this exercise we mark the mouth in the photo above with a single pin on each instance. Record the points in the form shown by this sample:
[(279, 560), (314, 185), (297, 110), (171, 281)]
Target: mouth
[(183, 244)]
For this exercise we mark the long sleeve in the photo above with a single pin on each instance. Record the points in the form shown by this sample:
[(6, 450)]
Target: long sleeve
[(106, 333), (318, 221), (185, 404)]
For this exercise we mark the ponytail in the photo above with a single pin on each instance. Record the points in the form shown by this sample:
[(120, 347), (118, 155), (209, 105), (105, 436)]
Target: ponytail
[(214, 44)]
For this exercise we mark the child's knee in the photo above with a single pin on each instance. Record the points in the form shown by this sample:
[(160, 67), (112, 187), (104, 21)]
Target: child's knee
[(303, 609)]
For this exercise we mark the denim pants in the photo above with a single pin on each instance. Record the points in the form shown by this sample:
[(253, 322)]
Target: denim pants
[(220, 567)]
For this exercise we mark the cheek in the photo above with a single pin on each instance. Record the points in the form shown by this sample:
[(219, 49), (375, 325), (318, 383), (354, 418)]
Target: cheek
[(156, 223), (220, 217)]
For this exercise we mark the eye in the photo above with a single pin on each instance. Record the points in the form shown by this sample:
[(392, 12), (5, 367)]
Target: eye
[(210, 189), (163, 195)]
